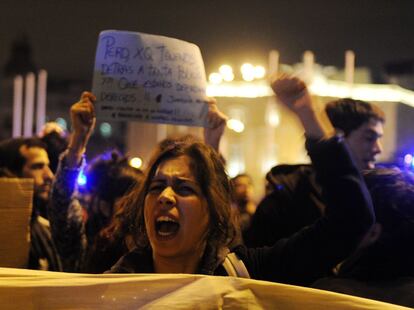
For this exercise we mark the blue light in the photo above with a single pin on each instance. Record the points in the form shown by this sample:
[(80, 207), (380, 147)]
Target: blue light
[(408, 159), (81, 179)]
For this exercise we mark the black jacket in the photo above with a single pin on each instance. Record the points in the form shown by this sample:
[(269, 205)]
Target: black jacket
[(294, 200)]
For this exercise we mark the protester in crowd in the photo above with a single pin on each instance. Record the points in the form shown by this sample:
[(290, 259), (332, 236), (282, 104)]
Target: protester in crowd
[(382, 267), (295, 198), (243, 202), (79, 218), (27, 158), (109, 176), (182, 211), (94, 244)]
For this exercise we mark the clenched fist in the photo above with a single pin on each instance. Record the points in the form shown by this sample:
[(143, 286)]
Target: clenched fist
[(293, 93), (82, 114)]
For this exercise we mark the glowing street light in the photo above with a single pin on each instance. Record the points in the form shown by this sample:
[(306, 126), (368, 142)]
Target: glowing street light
[(273, 119), (225, 69), (259, 72), (235, 125), (227, 73), (234, 167), (247, 71), (215, 78), (229, 77), (135, 162)]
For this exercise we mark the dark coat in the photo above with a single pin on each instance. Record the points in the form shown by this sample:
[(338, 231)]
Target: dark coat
[(293, 202)]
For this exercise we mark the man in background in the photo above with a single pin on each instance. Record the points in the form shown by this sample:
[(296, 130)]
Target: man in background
[(294, 199), (243, 199), (27, 158)]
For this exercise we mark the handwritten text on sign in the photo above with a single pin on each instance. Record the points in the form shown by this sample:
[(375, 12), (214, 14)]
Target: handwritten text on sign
[(149, 78)]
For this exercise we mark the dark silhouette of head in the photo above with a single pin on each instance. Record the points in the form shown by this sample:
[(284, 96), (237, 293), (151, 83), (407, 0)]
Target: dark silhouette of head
[(387, 251)]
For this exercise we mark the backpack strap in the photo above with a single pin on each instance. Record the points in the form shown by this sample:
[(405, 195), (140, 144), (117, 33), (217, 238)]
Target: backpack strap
[(235, 267)]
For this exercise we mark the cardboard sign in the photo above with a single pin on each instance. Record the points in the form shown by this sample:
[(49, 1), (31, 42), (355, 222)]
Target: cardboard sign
[(149, 78), (16, 197)]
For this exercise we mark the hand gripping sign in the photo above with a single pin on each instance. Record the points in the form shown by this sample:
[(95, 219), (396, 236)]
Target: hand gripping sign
[(149, 78)]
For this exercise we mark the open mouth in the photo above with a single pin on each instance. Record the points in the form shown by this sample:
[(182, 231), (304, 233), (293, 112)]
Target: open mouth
[(166, 227)]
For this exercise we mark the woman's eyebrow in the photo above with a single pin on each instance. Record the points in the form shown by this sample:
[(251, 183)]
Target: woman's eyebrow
[(176, 179), (157, 180), (161, 179), (184, 179)]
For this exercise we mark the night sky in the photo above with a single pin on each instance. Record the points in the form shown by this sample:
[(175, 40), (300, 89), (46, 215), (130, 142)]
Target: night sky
[(63, 34)]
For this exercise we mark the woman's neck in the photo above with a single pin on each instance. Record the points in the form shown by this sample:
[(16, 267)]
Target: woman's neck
[(182, 264)]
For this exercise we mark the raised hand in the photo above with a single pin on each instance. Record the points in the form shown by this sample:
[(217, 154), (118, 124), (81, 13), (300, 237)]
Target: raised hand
[(216, 123), (82, 114), (293, 93)]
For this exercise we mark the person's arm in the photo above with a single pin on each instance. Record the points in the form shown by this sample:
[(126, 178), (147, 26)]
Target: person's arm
[(216, 124), (65, 211), (82, 115), (316, 249)]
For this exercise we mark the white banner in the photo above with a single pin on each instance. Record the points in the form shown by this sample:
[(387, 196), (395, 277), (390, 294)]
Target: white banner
[(30, 289)]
